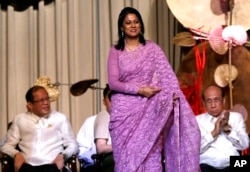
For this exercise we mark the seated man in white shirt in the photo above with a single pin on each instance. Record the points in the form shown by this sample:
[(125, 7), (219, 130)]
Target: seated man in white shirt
[(85, 140), (4, 138), (223, 133), (102, 135), (45, 137)]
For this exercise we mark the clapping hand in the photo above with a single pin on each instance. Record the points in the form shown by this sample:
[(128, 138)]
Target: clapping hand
[(224, 118), (222, 123)]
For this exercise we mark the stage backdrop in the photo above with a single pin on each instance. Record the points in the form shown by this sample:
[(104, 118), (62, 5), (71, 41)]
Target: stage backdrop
[(68, 41)]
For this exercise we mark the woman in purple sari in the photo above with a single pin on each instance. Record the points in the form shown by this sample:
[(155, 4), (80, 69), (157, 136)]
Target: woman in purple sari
[(150, 117)]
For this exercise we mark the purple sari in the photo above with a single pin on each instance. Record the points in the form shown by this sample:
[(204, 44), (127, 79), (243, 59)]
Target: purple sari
[(142, 128)]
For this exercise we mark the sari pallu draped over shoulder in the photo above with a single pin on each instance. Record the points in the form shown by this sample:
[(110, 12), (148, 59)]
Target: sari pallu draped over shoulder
[(142, 128)]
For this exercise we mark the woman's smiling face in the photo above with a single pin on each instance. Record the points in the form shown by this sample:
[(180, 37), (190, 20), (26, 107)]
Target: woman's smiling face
[(131, 26)]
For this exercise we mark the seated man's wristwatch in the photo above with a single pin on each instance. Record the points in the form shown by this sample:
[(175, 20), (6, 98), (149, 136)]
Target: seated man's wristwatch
[(228, 130)]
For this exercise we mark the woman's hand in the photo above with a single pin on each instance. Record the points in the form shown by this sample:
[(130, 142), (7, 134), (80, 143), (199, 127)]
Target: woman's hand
[(148, 91)]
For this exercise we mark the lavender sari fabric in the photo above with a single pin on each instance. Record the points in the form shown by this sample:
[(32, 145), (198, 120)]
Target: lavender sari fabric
[(141, 128)]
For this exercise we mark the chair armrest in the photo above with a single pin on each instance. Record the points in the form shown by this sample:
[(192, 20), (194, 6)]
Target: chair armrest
[(7, 163)]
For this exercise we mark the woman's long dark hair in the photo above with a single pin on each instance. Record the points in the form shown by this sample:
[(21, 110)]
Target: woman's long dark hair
[(128, 10)]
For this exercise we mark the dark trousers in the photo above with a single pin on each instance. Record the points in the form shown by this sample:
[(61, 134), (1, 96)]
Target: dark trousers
[(41, 168), (89, 168), (108, 163), (208, 168)]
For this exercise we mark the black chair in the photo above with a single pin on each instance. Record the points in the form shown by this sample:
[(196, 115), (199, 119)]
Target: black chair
[(85, 166), (103, 162)]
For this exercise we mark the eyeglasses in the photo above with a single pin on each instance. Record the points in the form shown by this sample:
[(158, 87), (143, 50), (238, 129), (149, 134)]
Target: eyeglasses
[(40, 101), (215, 100)]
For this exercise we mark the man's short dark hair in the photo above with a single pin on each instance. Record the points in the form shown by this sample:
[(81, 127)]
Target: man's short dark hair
[(107, 92), (214, 85), (29, 94)]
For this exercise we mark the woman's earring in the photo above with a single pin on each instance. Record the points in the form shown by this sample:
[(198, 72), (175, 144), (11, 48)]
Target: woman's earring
[(122, 34)]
